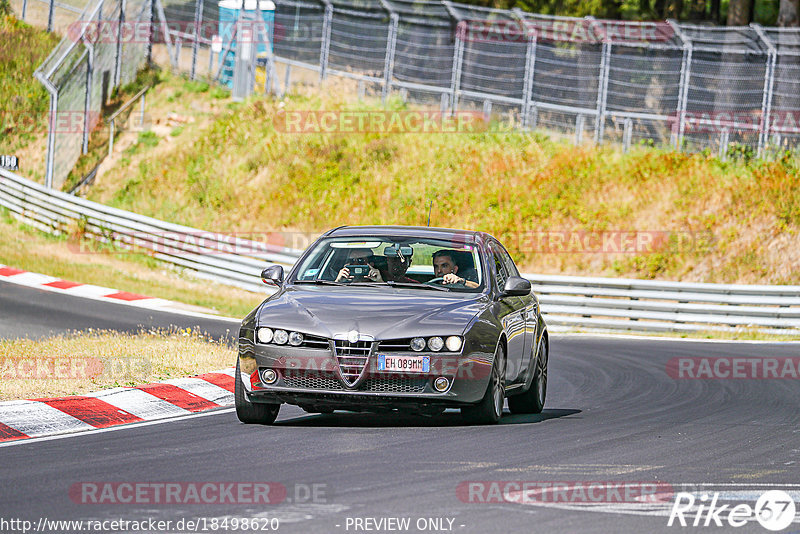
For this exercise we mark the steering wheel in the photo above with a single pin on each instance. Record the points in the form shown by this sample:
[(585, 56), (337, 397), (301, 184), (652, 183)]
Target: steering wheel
[(432, 280)]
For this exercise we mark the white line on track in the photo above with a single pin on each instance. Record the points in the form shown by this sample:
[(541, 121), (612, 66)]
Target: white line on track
[(115, 428)]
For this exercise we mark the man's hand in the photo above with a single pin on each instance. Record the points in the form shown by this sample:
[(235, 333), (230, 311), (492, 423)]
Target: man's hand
[(374, 274), (452, 278), (344, 274)]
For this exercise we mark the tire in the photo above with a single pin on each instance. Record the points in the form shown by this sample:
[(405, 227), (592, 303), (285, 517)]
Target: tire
[(532, 401), (249, 412), (490, 409)]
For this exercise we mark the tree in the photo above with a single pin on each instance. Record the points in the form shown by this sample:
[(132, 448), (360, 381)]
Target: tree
[(788, 14), (740, 12)]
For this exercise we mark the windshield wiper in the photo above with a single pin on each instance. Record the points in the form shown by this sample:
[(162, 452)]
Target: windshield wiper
[(320, 282), (415, 286)]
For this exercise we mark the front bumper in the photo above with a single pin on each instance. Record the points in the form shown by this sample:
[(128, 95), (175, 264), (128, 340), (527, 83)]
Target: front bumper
[(310, 377)]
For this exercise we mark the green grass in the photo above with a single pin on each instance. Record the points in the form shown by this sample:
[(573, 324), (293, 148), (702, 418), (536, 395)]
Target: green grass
[(24, 102)]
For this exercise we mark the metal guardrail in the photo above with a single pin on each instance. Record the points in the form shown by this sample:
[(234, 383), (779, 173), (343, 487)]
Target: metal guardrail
[(567, 301)]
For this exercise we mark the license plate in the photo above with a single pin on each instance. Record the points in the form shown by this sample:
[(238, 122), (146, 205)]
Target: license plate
[(404, 364)]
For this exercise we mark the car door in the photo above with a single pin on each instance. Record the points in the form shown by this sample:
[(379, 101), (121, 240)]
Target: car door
[(510, 313), (530, 311)]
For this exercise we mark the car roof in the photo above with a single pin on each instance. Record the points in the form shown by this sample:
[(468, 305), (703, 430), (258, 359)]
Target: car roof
[(464, 236)]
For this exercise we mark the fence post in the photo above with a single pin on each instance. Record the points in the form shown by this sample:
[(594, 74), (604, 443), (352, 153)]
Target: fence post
[(118, 61), (326, 42), (724, 137), (51, 133), (769, 82), (151, 33), (24, 8), (580, 122), (527, 88), (164, 28), (87, 103), (198, 21), (602, 91), (458, 57), (627, 134), (388, 64), (683, 84), (50, 16)]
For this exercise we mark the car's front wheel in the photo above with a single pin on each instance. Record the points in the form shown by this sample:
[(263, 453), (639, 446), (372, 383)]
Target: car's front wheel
[(532, 401), (490, 409), (250, 412)]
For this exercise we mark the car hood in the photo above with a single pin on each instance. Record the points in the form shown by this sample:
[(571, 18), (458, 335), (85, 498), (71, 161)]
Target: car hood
[(382, 313)]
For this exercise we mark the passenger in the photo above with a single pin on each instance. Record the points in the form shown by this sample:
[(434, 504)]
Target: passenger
[(445, 267), (360, 256), (396, 270)]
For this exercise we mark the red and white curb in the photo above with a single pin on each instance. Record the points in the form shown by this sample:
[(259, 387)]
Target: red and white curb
[(35, 418), (51, 283)]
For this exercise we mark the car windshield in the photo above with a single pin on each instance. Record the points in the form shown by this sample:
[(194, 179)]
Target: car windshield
[(416, 263)]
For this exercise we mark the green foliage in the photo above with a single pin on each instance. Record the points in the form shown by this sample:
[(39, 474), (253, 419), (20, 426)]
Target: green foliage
[(23, 100)]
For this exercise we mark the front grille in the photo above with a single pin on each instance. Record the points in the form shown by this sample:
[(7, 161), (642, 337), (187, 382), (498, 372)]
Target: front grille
[(329, 381), (395, 345), (395, 385), (352, 358), (311, 380)]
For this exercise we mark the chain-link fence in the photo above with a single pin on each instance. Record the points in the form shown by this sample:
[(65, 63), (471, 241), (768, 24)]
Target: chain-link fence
[(101, 50), (726, 90)]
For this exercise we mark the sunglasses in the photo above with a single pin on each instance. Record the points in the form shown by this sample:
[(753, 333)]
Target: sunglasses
[(359, 261)]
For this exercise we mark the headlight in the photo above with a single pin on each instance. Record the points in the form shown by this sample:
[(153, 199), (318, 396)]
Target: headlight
[(453, 343), (295, 338), (417, 344), (281, 337), (264, 335), (435, 343)]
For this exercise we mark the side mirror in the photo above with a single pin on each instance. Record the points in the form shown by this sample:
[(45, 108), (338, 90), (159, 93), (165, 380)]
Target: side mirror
[(272, 275), (516, 286)]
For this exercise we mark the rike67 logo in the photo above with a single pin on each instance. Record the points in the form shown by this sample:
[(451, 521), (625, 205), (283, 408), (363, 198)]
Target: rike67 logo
[(774, 510)]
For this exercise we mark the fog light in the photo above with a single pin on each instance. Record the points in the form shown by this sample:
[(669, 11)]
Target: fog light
[(453, 343), (441, 384), (268, 376), (264, 335), (281, 337), (417, 344)]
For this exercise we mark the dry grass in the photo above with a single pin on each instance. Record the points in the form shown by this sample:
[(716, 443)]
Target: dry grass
[(28, 249), (80, 363), (230, 170)]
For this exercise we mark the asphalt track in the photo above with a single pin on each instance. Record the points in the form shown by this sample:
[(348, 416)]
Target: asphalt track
[(612, 414)]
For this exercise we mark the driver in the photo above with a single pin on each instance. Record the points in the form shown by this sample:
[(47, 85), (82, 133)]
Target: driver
[(359, 256), (444, 266)]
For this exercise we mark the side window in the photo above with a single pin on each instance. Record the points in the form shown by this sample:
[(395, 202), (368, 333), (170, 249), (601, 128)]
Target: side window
[(508, 262), (499, 267)]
